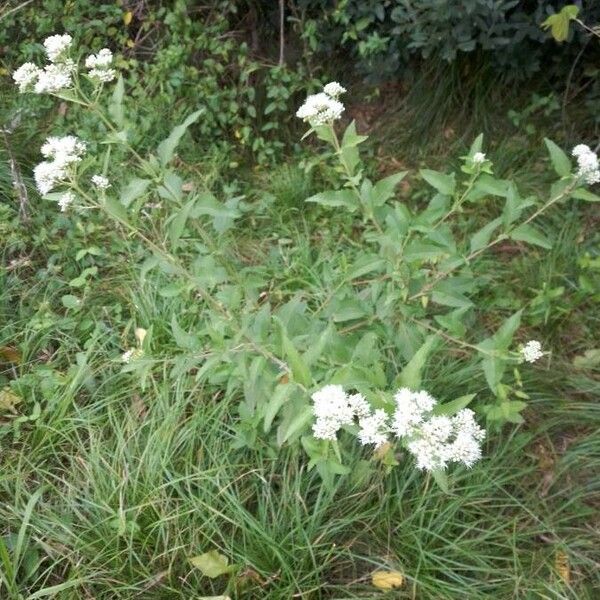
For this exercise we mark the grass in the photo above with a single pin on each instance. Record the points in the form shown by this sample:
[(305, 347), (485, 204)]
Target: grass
[(111, 489)]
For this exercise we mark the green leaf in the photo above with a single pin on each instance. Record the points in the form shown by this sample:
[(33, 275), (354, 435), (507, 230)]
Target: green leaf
[(298, 423), (560, 161), (487, 184), (300, 371), (441, 478), (444, 184), (504, 336), (451, 408), (527, 233), (335, 198), (410, 376), (279, 397), (115, 209), (482, 237), (223, 214), (383, 190), (583, 194), (493, 364), (476, 145), (212, 564), (115, 107), (351, 138), (559, 22), (133, 190), (514, 205), (182, 338), (70, 301), (166, 149), (177, 224)]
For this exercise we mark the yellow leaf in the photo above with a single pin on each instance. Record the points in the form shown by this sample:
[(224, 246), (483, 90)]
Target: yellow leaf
[(127, 17), (562, 566), (130, 43), (10, 354), (140, 334), (382, 450), (8, 401), (387, 580)]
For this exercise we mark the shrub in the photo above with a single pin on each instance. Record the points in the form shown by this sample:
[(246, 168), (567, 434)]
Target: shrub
[(409, 285)]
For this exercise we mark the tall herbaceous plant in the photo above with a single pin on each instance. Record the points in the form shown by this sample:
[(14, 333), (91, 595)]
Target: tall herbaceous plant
[(304, 375)]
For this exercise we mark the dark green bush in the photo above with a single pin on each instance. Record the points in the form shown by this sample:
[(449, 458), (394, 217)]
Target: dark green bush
[(384, 36)]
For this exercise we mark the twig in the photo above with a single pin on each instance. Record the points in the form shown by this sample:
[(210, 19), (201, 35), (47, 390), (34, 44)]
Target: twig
[(17, 179), (281, 32)]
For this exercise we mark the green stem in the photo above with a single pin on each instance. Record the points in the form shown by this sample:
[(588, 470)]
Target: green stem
[(338, 150)]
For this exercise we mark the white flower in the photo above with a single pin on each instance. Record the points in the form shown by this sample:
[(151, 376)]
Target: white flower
[(332, 411), (464, 422), (56, 46), (131, 354), (334, 89), (360, 407), (436, 440), (320, 109), (532, 351), (438, 429), (99, 66), (465, 449), (101, 182), (587, 164), (478, 158), (103, 75), (102, 60), (53, 79), (66, 200), (410, 410), (373, 429), (429, 454), (26, 76), (47, 175), (127, 355), (64, 150)]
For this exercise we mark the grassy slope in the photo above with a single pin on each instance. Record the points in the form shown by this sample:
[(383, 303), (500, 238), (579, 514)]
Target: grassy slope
[(114, 487)]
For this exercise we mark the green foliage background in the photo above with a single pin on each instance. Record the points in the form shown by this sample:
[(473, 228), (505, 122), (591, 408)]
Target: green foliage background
[(115, 480)]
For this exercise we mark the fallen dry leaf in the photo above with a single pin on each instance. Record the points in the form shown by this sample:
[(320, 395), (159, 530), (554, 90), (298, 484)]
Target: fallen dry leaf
[(11, 354), (562, 566), (387, 580)]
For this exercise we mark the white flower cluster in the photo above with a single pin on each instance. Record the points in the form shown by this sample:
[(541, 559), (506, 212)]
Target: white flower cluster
[(131, 355), (332, 410), (57, 46), (63, 152), (101, 182), (66, 200), (99, 66), (532, 351), (53, 77), (587, 164), (324, 107), (478, 158), (434, 440)]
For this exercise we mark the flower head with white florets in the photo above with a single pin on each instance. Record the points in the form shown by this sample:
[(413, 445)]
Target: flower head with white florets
[(532, 351), (587, 164), (323, 108)]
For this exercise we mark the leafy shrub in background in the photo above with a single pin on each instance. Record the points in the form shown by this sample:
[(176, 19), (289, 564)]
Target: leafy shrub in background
[(175, 55), (384, 36)]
